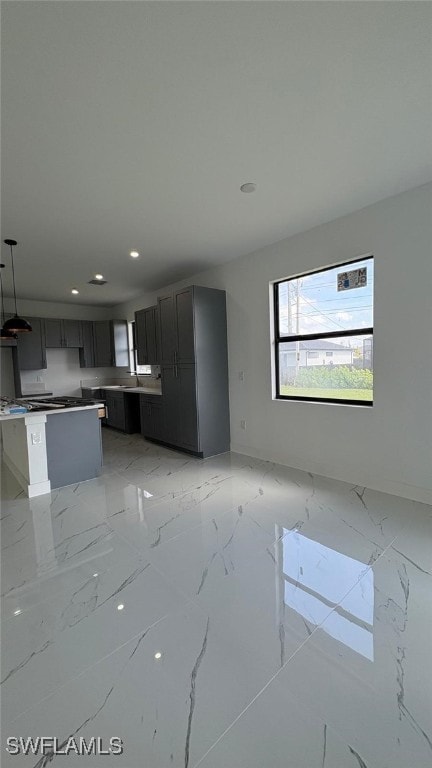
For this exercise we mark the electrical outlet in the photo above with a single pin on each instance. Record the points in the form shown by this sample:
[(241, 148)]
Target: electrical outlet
[(243, 424), (36, 438), (241, 376)]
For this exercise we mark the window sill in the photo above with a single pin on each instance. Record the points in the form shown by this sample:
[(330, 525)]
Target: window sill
[(322, 401)]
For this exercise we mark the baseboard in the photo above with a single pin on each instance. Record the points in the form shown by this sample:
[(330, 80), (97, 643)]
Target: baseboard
[(406, 491)]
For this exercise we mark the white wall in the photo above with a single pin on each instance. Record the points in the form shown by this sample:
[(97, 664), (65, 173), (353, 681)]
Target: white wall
[(388, 446), (30, 308), (63, 374)]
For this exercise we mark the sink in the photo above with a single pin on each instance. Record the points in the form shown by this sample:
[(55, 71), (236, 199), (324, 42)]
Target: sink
[(115, 386)]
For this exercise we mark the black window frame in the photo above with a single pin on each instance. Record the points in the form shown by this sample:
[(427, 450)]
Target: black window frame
[(283, 339)]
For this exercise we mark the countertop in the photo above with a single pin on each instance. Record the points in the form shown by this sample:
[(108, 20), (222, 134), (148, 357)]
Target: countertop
[(49, 412), (119, 388), (143, 390)]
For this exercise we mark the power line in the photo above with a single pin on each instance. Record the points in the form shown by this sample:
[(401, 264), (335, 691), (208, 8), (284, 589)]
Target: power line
[(338, 309), (320, 313)]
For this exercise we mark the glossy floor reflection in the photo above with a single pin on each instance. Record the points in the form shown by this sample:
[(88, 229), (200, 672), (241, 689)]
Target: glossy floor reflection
[(228, 612)]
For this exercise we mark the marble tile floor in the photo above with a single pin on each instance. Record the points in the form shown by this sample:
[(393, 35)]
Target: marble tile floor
[(226, 613)]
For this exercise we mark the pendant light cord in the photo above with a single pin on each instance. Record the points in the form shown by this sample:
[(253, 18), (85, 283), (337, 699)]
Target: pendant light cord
[(2, 297), (13, 279)]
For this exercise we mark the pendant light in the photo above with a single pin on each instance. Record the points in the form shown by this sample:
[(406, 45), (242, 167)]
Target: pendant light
[(4, 334), (16, 324)]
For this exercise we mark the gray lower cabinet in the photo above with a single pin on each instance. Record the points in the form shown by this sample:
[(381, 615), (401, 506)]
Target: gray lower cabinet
[(180, 420), (151, 415), (123, 410), (195, 380), (31, 347), (88, 393), (74, 447)]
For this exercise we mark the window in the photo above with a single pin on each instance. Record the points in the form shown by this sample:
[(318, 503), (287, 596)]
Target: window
[(321, 315), (135, 368)]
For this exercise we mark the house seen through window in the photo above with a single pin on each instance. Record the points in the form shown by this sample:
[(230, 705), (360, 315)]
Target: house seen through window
[(324, 334)]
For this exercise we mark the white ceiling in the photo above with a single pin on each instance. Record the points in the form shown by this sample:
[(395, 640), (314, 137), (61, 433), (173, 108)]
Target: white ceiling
[(133, 124)]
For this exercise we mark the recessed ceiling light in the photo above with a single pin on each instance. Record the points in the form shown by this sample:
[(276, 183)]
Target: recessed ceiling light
[(120, 607), (248, 187), (158, 655), (134, 254), (98, 276), (17, 612), (74, 291)]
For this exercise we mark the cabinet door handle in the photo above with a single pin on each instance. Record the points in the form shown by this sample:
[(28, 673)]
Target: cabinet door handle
[(176, 371), (175, 357)]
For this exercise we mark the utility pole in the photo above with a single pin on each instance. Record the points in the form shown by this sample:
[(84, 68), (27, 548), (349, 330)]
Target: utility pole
[(289, 309), (297, 352)]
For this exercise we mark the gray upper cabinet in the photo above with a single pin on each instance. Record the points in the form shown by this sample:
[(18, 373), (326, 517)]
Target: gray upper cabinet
[(184, 325), (102, 344), (53, 333), (167, 329), (62, 333), (152, 336), (176, 321), (111, 345), (86, 353), (31, 347), (141, 337), (147, 336), (193, 335), (72, 333)]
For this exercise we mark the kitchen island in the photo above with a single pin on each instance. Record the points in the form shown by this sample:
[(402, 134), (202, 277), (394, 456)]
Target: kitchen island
[(48, 449)]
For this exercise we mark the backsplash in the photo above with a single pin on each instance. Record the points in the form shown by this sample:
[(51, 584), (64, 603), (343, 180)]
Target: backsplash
[(63, 374)]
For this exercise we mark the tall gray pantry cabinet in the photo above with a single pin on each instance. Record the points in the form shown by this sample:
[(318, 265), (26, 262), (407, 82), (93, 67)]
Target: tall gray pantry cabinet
[(194, 369)]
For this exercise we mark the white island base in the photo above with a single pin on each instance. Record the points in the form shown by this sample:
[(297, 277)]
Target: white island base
[(50, 449), (24, 452)]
